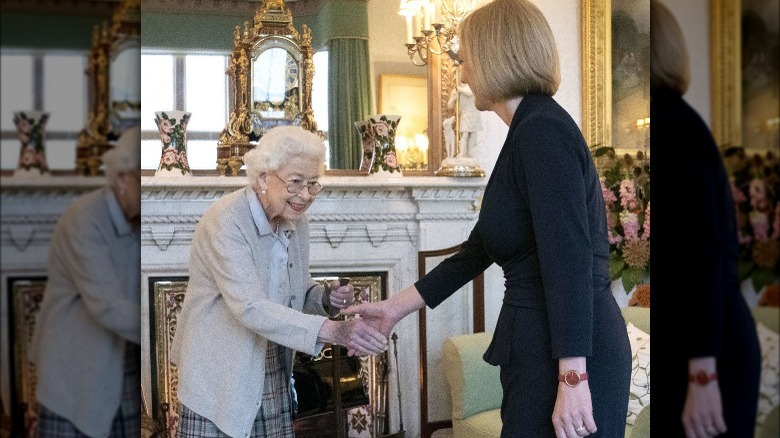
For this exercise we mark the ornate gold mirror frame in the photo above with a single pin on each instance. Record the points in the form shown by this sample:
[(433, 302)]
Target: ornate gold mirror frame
[(94, 138), (272, 27), (597, 72)]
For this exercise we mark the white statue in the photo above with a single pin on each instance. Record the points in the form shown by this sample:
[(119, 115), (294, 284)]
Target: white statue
[(449, 135), (470, 119)]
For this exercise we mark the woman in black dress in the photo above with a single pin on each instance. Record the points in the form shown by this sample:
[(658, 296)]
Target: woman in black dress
[(710, 380), (543, 220)]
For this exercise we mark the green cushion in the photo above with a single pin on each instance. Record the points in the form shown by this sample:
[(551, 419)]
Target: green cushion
[(475, 385), (483, 425), (639, 316), (769, 316), (641, 427), (771, 427)]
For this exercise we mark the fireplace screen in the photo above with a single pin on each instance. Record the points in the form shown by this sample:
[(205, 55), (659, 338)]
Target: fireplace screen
[(337, 395)]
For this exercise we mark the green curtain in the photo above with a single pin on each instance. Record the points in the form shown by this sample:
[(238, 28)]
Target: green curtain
[(349, 99)]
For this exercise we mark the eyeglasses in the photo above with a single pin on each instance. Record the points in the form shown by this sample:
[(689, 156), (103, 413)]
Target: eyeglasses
[(295, 185)]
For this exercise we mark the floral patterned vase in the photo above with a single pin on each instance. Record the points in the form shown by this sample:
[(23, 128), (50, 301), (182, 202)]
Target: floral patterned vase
[(31, 130), (378, 136), (172, 126)]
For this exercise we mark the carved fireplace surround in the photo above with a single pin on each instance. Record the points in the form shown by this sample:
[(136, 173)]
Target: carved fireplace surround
[(357, 224)]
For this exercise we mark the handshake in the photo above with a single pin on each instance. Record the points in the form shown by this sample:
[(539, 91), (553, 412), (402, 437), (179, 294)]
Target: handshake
[(366, 335)]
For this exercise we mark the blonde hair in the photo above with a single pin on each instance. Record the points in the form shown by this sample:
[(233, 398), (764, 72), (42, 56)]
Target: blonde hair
[(277, 146), (511, 50), (669, 64), (124, 156)]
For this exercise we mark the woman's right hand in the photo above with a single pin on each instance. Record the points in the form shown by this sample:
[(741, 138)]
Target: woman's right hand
[(357, 335), (703, 411)]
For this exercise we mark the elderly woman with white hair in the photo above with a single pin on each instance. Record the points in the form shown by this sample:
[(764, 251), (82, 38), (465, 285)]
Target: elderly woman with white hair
[(86, 343), (251, 301)]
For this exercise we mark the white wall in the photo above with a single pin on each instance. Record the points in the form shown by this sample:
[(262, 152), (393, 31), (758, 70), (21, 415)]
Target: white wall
[(694, 19), (386, 38), (564, 19)]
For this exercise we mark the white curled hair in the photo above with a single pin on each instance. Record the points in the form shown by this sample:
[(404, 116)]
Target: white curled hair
[(277, 146), (124, 156)]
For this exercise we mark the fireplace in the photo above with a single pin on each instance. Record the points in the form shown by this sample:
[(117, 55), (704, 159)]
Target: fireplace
[(337, 395)]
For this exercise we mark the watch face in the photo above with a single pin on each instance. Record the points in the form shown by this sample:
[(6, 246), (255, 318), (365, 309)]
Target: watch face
[(572, 378), (702, 378)]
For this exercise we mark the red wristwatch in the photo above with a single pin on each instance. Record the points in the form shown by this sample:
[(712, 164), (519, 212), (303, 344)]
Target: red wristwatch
[(702, 378), (572, 378)]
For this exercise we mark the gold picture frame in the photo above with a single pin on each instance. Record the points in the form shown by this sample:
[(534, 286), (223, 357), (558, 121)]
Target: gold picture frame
[(619, 86), (744, 109)]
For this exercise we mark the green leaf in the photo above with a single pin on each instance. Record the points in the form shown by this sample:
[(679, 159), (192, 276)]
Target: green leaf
[(745, 267), (601, 151), (760, 278), (631, 277), (616, 265), (165, 115)]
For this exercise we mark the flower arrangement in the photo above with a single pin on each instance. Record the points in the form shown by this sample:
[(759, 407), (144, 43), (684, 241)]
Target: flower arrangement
[(378, 137), (625, 187), (173, 134), (755, 186), (30, 129)]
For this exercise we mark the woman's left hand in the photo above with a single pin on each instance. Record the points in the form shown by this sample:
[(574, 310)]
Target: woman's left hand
[(573, 413), (341, 297)]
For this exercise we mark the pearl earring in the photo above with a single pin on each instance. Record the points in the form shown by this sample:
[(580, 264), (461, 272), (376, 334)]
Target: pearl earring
[(262, 191)]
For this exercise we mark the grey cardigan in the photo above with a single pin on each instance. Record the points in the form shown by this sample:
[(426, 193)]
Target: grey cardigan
[(227, 316), (91, 308)]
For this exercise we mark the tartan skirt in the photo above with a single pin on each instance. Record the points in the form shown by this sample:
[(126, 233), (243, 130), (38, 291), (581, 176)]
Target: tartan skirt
[(127, 421), (274, 418)]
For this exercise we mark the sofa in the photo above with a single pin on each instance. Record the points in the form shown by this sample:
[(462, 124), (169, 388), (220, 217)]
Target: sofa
[(475, 387)]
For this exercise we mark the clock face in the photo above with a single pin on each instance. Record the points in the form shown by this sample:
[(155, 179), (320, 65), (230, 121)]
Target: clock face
[(291, 79)]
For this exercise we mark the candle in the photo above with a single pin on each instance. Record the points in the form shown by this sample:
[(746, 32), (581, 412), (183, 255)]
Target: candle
[(427, 12), (409, 32)]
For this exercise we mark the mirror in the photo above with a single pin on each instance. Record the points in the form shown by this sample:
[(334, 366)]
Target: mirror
[(125, 68), (114, 85), (269, 72)]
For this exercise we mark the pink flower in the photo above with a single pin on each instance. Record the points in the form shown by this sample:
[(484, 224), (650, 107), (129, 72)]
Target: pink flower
[(42, 160), (628, 194), (22, 125), (607, 194), (381, 129), (165, 126), (760, 224), (166, 139), (737, 194), (757, 193), (169, 157), (368, 145), (28, 157), (614, 238), (630, 224), (183, 160), (390, 159), (776, 223), (743, 238), (646, 225), (24, 138)]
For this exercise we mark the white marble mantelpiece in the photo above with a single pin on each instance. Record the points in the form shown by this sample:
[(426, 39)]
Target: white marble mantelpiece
[(357, 224)]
